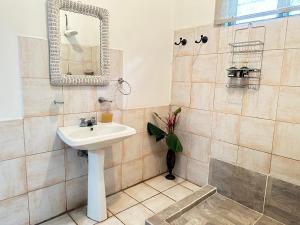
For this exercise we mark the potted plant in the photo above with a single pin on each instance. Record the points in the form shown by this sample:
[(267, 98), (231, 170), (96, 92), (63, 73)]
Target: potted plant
[(172, 141)]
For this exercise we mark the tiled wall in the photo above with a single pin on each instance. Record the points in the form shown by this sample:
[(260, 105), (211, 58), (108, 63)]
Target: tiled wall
[(78, 59), (40, 177), (257, 130)]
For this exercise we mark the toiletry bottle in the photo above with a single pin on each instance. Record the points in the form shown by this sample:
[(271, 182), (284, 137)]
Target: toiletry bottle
[(107, 116)]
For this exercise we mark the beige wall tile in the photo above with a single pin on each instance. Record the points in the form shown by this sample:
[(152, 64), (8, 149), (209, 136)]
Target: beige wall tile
[(228, 100), (272, 67), (74, 119), (286, 169), (275, 33), (197, 176), (188, 49), (75, 166), (11, 139), (226, 127), (204, 68), (132, 148), (113, 155), (293, 32), (212, 32), (261, 103), (46, 203), (14, 211), (202, 96), (12, 178), (289, 104), (152, 165), (116, 63), (182, 70), (185, 139), (113, 179), (225, 37), (180, 165), (286, 140), (254, 160), (257, 133), (40, 134), (135, 119), (150, 145), (200, 122), (200, 148), (45, 169), (76, 192), (33, 57), (132, 173), (224, 151), (80, 99), (38, 97), (181, 94), (290, 75), (222, 65)]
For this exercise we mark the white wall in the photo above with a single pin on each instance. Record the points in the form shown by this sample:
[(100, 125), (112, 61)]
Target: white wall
[(192, 13), (143, 29)]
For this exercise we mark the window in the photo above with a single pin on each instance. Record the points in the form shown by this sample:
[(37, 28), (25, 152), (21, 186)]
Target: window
[(242, 11)]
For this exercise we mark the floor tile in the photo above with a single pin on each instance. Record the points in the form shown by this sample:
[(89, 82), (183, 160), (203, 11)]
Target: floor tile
[(79, 216), (119, 202), (190, 186), (160, 183), (111, 221), (178, 192), (158, 203), (141, 192), (61, 220), (135, 215)]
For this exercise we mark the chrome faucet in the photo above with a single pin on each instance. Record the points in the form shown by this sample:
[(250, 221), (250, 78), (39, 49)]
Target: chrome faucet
[(88, 123)]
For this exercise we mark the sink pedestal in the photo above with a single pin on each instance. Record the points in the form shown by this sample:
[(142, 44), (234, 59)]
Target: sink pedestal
[(96, 209)]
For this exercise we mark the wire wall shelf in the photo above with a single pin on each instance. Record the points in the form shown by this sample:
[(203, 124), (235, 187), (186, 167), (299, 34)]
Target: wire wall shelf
[(246, 58)]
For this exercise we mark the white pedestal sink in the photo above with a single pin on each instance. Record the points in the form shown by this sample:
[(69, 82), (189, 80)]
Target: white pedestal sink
[(94, 140)]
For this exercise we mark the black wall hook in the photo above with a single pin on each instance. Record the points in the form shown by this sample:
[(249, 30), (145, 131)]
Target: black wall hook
[(203, 39), (181, 41)]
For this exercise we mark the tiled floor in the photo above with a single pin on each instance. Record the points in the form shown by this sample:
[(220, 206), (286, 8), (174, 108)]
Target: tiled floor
[(135, 204)]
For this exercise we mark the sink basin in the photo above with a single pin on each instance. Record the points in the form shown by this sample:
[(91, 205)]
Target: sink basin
[(95, 140), (96, 137)]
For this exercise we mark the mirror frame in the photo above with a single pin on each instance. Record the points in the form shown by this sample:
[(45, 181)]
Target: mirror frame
[(56, 77)]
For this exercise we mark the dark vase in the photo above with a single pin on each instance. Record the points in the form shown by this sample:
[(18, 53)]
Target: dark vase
[(171, 158)]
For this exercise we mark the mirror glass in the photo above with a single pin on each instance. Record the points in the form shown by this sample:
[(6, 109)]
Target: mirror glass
[(80, 44)]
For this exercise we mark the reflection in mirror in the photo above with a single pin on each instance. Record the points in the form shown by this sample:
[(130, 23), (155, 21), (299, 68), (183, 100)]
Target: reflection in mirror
[(80, 44)]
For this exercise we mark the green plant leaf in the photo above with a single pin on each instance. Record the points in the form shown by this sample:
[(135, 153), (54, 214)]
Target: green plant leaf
[(156, 131), (174, 143), (177, 111)]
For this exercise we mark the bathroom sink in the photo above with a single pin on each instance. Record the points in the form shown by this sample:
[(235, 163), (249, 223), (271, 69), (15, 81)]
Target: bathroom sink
[(96, 140), (95, 137)]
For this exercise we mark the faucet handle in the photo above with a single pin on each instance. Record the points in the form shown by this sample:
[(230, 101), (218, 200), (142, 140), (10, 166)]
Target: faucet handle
[(93, 120), (82, 122)]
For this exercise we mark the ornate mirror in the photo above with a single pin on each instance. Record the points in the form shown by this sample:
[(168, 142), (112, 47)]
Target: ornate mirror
[(78, 43)]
